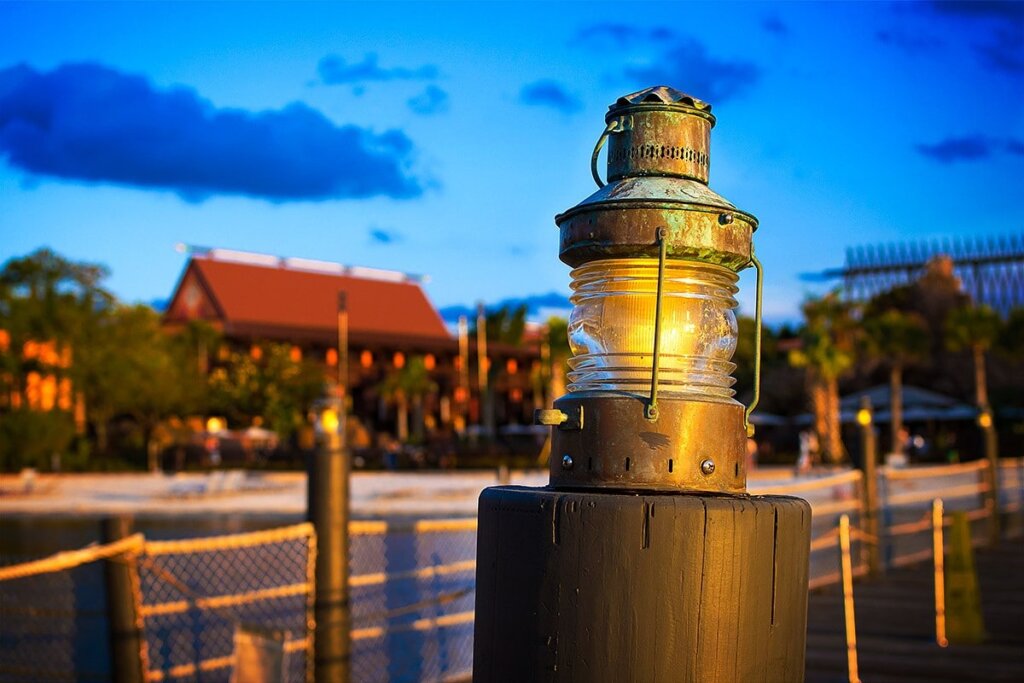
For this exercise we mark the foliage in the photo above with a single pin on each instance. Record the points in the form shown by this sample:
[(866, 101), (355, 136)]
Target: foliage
[(828, 351), (29, 438), (896, 338), (412, 381), (1011, 341), (972, 327), (505, 325), (275, 387)]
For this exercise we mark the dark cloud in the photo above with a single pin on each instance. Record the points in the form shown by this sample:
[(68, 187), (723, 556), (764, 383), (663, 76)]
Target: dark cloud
[(384, 236), (970, 148), (549, 94), (601, 35), (334, 70), (1003, 51), (90, 123), (1011, 12), (433, 100), (688, 66), (914, 42), (664, 57), (773, 24), (997, 30)]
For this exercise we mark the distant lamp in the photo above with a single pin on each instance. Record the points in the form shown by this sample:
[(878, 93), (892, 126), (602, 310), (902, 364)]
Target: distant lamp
[(985, 419), (328, 422), (864, 417), (215, 425)]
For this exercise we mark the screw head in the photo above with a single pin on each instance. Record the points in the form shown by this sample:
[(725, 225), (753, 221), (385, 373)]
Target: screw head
[(567, 462), (707, 466), (725, 218)]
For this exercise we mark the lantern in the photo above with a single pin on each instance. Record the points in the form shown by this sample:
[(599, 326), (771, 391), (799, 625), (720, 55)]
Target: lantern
[(651, 423)]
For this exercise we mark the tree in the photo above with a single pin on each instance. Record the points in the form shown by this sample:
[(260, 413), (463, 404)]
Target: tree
[(45, 300), (974, 329), (410, 383), (273, 386), (828, 352), (559, 352), (896, 339)]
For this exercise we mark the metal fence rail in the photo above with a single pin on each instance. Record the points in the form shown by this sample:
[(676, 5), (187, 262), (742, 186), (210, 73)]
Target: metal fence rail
[(412, 584)]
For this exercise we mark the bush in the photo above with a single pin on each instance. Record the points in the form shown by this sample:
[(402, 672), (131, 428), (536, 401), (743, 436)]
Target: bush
[(30, 438)]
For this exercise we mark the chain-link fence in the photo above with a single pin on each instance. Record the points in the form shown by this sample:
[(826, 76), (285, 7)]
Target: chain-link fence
[(202, 603), (197, 596)]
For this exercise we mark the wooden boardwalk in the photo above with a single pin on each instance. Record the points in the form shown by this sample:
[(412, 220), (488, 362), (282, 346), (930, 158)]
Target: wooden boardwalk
[(896, 627)]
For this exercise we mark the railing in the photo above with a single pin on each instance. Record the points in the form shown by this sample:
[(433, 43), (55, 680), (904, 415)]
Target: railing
[(412, 583)]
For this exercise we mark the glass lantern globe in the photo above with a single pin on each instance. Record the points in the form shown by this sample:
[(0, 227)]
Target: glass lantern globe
[(612, 324)]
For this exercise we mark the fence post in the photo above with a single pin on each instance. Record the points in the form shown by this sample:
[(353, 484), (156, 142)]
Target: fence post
[(850, 619), (869, 464), (121, 576), (938, 551), (988, 430), (328, 511)]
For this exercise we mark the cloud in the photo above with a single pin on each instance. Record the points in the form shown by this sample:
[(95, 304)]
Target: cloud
[(662, 57), (913, 42), (1000, 10), (334, 70), (384, 236), (88, 122), (433, 100), (550, 94), (969, 148), (601, 35), (773, 24), (688, 66), (997, 29)]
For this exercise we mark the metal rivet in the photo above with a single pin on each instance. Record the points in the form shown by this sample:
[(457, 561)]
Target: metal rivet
[(706, 466), (566, 462), (725, 218)]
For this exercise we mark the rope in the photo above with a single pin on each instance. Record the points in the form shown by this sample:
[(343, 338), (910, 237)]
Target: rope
[(73, 558)]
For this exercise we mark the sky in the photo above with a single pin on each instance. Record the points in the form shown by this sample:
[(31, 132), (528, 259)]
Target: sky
[(442, 138)]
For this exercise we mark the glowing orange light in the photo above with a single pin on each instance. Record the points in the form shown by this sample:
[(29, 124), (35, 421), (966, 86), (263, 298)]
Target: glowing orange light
[(429, 362), (5, 340), (332, 357), (295, 354), (458, 362), (366, 359), (516, 395), (460, 394), (399, 360), (512, 366), (255, 352)]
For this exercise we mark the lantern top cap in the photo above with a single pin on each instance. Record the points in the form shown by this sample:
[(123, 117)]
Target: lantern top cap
[(661, 97)]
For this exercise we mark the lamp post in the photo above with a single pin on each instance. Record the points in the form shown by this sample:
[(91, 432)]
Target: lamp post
[(988, 431), (869, 490), (645, 558)]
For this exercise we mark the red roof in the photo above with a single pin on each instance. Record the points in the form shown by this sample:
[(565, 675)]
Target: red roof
[(287, 303)]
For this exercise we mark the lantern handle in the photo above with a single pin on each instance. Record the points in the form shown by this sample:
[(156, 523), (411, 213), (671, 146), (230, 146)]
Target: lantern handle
[(651, 409), (757, 342), (614, 126)]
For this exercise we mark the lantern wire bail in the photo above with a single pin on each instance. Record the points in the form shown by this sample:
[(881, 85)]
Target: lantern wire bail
[(759, 270), (651, 410), (614, 126)]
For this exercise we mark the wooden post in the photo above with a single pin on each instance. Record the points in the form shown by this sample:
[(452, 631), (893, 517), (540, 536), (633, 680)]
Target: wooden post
[(122, 584), (605, 587), (482, 364), (464, 371), (988, 430), (846, 567), (343, 364), (328, 510), (869, 465), (938, 552)]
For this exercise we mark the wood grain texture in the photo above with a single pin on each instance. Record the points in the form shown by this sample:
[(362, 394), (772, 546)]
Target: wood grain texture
[(591, 587)]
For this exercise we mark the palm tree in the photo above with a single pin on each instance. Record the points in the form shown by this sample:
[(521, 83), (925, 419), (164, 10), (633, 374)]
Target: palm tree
[(974, 328), (828, 352), (410, 384), (556, 341), (897, 339)]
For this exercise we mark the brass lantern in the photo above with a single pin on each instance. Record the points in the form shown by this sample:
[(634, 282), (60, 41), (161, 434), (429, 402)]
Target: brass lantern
[(655, 255), (644, 558)]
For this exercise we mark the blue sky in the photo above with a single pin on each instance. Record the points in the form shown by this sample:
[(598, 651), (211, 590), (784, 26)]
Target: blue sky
[(442, 138)]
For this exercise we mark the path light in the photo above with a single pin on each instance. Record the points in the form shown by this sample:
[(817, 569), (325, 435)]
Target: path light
[(645, 558)]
